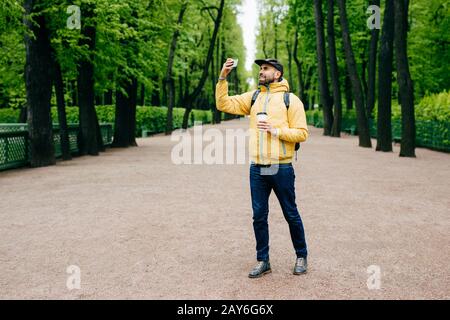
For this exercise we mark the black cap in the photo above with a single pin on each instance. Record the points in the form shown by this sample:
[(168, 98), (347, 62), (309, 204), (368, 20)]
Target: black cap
[(273, 62)]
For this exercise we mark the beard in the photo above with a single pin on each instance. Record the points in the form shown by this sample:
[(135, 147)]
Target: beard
[(266, 80)]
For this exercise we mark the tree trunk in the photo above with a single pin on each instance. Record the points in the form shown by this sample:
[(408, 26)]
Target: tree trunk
[(213, 86), (334, 71), (307, 85), (220, 53), (364, 78), (39, 88), (264, 45), (289, 52), (322, 69), (88, 136), (384, 131), (362, 123), (275, 38), (108, 97), (348, 91), (314, 87), (127, 95), (170, 85), (198, 89), (406, 90), (371, 93), (125, 120), (169, 82), (155, 95), (23, 113), (98, 100), (180, 91), (218, 113), (122, 119), (132, 105), (74, 93), (298, 63), (142, 95), (61, 105)]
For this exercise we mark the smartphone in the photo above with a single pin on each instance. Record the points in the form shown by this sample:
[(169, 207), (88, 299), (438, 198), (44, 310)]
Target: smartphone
[(235, 62)]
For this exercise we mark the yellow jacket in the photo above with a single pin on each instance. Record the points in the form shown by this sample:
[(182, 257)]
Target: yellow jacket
[(265, 148)]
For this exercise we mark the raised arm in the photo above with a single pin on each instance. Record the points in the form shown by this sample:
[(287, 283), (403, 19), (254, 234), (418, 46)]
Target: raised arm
[(239, 104)]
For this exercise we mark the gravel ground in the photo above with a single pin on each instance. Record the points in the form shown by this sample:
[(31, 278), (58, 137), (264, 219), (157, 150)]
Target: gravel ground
[(140, 227)]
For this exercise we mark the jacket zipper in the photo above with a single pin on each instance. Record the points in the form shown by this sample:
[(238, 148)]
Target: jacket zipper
[(261, 134)]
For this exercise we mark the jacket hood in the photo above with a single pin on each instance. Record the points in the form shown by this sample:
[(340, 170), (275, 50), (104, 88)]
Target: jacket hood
[(282, 86)]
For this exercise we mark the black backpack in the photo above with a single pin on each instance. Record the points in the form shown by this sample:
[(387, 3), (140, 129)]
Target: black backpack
[(286, 102)]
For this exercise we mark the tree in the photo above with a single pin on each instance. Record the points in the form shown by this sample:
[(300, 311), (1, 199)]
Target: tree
[(301, 23), (89, 138), (192, 96), (298, 64), (371, 92), (322, 69), (126, 95), (348, 91), (291, 76), (38, 85), (361, 119), (61, 106), (334, 71), (169, 81), (127, 82), (384, 133), (406, 89)]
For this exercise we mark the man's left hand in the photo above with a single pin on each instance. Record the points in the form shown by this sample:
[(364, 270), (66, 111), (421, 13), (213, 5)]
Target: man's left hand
[(267, 127)]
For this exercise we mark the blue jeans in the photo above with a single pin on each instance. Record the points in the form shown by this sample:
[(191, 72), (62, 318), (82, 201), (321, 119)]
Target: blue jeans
[(281, 180)]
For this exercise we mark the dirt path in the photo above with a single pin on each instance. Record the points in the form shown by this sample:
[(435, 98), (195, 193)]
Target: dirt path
[(141, 227)]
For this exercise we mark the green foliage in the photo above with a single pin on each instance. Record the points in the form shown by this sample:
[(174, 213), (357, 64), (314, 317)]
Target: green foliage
[(428, 40), (152, 119), (434, 107), (431, 107), (9, 115), (428, 45), (12, 55), (132, 40), (432, 124)]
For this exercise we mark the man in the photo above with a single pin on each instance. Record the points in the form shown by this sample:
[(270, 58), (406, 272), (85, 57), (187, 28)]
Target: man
[(284, 126)]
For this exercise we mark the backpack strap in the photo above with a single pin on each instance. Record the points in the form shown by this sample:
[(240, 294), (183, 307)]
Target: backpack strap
[(255, 95), (287, 102), (286, 99)]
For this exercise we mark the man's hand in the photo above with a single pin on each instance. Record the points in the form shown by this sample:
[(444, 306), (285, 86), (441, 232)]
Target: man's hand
[(227, 67), (267, 127)]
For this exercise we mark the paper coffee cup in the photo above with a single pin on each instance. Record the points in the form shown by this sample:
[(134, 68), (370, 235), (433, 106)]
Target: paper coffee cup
[(261, 116)]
